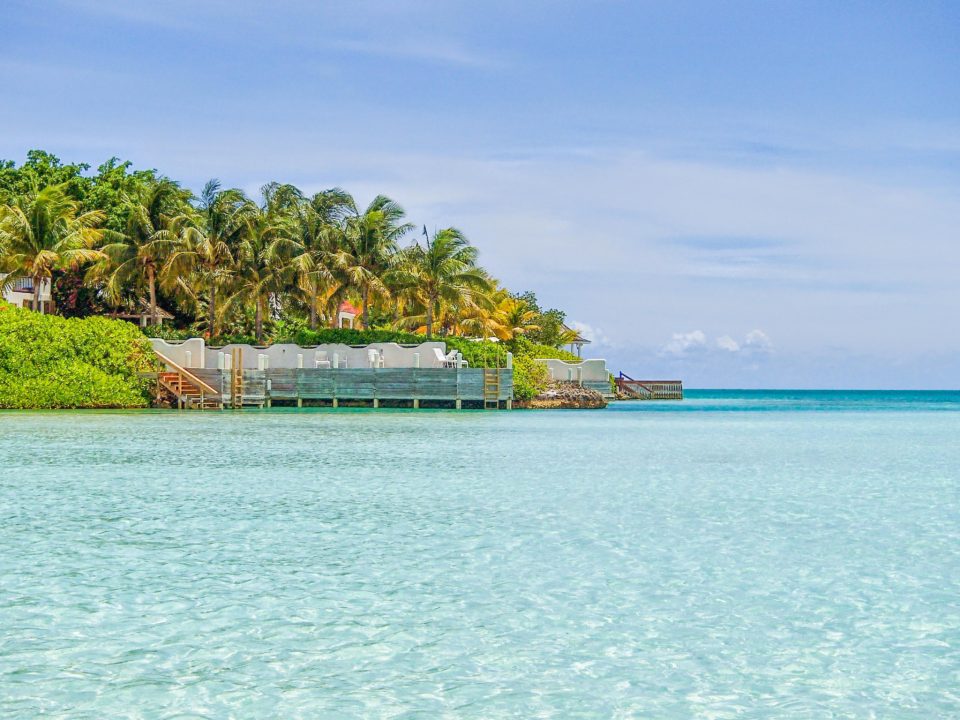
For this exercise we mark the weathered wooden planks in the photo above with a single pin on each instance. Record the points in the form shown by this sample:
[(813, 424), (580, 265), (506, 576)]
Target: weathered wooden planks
[(650, 389)]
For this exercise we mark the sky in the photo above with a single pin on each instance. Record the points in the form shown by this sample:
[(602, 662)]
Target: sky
[(735, 194)]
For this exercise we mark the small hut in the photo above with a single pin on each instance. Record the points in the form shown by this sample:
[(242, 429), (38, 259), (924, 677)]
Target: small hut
[(347, 313), (576, 342), (140, 314)]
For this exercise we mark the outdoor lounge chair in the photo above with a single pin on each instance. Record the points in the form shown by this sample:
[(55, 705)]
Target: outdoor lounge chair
[(321, 360), (444, 361), (452, 356), (454, 362), (374, 358)]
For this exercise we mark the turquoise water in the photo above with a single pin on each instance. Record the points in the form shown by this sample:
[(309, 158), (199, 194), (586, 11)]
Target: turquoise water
[(740, 555)]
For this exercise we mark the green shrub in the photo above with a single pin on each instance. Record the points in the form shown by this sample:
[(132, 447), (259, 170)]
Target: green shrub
[(521, 345), (172, 334), (346, 336), (479, 353), (53, 362), (235, 339), (530, 378), (547, 353), (169, 332)]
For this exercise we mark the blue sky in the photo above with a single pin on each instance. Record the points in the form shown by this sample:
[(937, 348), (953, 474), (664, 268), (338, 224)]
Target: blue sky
[(745, 194)]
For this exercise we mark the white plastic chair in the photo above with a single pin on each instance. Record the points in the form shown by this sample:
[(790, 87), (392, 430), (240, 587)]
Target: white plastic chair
[(374, 358), (439, 359), (321, 359), (451, 360)]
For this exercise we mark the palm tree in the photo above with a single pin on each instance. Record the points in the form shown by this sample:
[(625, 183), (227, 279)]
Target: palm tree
[(207, 240), (369, 246), (309, 252), (479, 317), (444, 272), (516, 317), (43, 231), (260, 271), (138, 255)]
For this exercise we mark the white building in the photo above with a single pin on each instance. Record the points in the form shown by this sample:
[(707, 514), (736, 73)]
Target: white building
[(19, 293), (347, 313)]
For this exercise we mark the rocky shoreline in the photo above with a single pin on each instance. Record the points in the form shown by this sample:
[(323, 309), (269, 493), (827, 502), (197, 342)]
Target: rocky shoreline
[(564, 395)]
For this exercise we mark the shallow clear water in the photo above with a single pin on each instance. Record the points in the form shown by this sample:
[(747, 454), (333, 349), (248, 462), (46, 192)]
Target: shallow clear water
[(738, 554)]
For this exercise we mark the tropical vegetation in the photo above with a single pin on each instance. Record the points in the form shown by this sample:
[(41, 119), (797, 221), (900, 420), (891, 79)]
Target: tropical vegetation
[(231, 267), (48, 361)]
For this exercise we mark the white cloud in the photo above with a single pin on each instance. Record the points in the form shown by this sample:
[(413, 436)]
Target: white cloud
[(727, 343), (757, 341), (589, 332), (684, 343)]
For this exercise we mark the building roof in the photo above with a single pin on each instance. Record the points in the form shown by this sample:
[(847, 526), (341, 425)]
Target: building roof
[(138, 312), (579, 339), (347, 307)]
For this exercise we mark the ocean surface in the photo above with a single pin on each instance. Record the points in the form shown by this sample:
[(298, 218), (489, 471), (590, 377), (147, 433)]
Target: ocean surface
[(735, 555)]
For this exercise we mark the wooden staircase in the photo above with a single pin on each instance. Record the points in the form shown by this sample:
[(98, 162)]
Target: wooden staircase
[(186, 389), (491, 388), (650, 389), (236, 378)]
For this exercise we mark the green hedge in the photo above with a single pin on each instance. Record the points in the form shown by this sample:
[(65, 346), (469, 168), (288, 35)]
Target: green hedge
[(551, 353), (479, 353), (48, 361), (170, 333), (530, 378), (346, 336), (522, 346)]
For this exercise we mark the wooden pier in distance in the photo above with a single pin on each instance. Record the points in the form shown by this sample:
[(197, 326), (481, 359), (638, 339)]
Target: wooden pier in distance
[(650, 389)]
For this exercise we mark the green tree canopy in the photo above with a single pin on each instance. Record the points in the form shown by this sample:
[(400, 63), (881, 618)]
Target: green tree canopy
[(44, 230)]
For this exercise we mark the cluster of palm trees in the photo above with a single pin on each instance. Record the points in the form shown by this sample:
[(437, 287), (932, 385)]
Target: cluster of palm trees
[(230, 262)]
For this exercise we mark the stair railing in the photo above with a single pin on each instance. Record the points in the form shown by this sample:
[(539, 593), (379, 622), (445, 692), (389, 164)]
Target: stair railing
[(182, 373)]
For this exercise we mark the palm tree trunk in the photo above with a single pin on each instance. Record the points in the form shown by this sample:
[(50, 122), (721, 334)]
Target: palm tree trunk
[(430, 318), (37, 307), (152, 282), (258, 322), (212, 321), (366, 314), (313, 310)]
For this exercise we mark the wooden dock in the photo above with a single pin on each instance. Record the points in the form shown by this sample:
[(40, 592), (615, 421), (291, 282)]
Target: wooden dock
[(453, 387), (650, 389)]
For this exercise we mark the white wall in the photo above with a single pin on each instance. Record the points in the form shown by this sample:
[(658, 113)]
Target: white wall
[(286, 355), (19, 299), (590, 370), (177, 351)]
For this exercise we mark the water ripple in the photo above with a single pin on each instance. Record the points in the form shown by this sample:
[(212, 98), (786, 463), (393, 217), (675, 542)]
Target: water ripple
[(599, 565)]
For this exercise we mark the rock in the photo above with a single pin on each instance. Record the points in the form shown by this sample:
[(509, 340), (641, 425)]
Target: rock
[(564, 395)]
